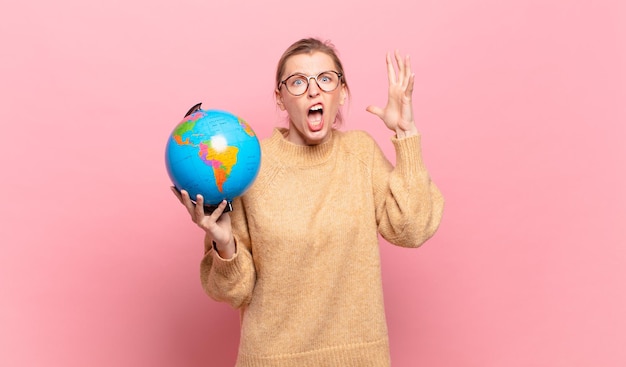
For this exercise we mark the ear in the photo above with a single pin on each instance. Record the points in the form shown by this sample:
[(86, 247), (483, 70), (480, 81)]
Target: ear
[(279, 100)]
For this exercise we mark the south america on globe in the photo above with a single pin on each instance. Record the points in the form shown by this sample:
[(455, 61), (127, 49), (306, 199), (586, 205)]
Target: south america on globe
[(213, 153)]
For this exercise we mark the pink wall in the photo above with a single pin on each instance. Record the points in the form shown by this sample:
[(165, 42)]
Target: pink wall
[(522, 108)]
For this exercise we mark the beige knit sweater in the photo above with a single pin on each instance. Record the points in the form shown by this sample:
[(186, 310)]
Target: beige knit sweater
[(306, 275)]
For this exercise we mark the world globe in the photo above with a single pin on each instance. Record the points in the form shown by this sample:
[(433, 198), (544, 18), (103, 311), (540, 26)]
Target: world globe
[(213, 153)]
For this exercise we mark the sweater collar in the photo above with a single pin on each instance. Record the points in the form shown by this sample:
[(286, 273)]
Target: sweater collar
[(299, 155)]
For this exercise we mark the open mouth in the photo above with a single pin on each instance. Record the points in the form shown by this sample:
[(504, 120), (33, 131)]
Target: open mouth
[(315, 116)]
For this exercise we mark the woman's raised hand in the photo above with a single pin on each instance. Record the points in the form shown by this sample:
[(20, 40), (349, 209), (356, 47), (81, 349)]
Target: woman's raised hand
[(398, 113)]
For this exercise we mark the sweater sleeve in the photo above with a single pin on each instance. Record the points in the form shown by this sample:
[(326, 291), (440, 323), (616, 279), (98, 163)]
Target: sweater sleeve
[(409, 206), (230, 280)]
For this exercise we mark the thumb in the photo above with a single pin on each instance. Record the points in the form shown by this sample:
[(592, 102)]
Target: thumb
[(375, 110)]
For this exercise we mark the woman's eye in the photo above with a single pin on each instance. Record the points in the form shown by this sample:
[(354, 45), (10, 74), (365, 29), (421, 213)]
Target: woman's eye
[(296, 82)]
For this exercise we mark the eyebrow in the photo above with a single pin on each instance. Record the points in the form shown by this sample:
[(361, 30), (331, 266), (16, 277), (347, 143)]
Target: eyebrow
[(306, 74)]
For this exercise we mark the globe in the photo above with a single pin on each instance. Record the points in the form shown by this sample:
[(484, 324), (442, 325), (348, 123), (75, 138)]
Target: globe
[(213, 153)]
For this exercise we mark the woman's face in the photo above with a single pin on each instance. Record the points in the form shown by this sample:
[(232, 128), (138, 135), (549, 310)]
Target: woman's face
[(312, 114)]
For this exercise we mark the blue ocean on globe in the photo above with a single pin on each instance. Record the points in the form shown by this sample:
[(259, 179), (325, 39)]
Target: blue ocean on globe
[(213, 153)]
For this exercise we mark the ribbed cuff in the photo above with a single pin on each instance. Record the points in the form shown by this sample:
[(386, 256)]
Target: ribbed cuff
[(409, 154)]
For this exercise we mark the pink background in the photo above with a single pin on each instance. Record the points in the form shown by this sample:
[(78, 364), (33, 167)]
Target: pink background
[(522, 109)]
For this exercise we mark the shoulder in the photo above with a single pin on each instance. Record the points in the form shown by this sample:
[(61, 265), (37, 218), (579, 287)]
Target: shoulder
[(271, 144), (272, 139), (271, 164)]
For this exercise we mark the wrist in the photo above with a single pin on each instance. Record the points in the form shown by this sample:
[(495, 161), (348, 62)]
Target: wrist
[(402, 133), (227, 250)]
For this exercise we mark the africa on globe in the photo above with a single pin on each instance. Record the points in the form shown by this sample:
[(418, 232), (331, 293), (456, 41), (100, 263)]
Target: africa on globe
[(213, 153)]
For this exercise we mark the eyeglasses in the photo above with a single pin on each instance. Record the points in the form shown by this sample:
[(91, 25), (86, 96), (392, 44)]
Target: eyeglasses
[(298, 84)]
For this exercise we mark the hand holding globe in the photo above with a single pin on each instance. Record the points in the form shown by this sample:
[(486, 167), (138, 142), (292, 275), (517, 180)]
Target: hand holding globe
[(216, 225)]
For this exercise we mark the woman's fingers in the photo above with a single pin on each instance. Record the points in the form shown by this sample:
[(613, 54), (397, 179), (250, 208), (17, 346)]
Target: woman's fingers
[(199, 209), (408, 73), (188, 204), (408, 92), (405, 73), (177, 194), (391, 72), (401, 71), (214, 224), (207, 221), (375, 110), (217, 213)]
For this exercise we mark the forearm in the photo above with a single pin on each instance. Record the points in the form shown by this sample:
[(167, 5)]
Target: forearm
[(225, 250), (228, 280), (410, 206)]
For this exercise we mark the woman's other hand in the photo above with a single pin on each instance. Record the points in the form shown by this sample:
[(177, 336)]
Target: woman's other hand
[(398, 113)]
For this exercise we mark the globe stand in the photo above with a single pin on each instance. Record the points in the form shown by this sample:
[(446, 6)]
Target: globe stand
[(209, 209)]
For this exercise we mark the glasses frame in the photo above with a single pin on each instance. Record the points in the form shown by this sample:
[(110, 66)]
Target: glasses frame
[(308, 83)]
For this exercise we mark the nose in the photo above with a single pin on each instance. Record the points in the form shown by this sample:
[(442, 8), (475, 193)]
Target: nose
[(314, 88)]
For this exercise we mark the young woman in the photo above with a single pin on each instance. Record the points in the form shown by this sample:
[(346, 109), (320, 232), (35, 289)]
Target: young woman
[(298, 255)]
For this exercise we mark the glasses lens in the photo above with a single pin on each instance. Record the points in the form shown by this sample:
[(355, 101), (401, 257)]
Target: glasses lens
[(328, 81), (297, 84)]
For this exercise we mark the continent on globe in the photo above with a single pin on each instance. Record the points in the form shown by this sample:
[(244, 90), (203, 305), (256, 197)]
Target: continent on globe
[(186, 127), (245, 126), (221, 160)]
